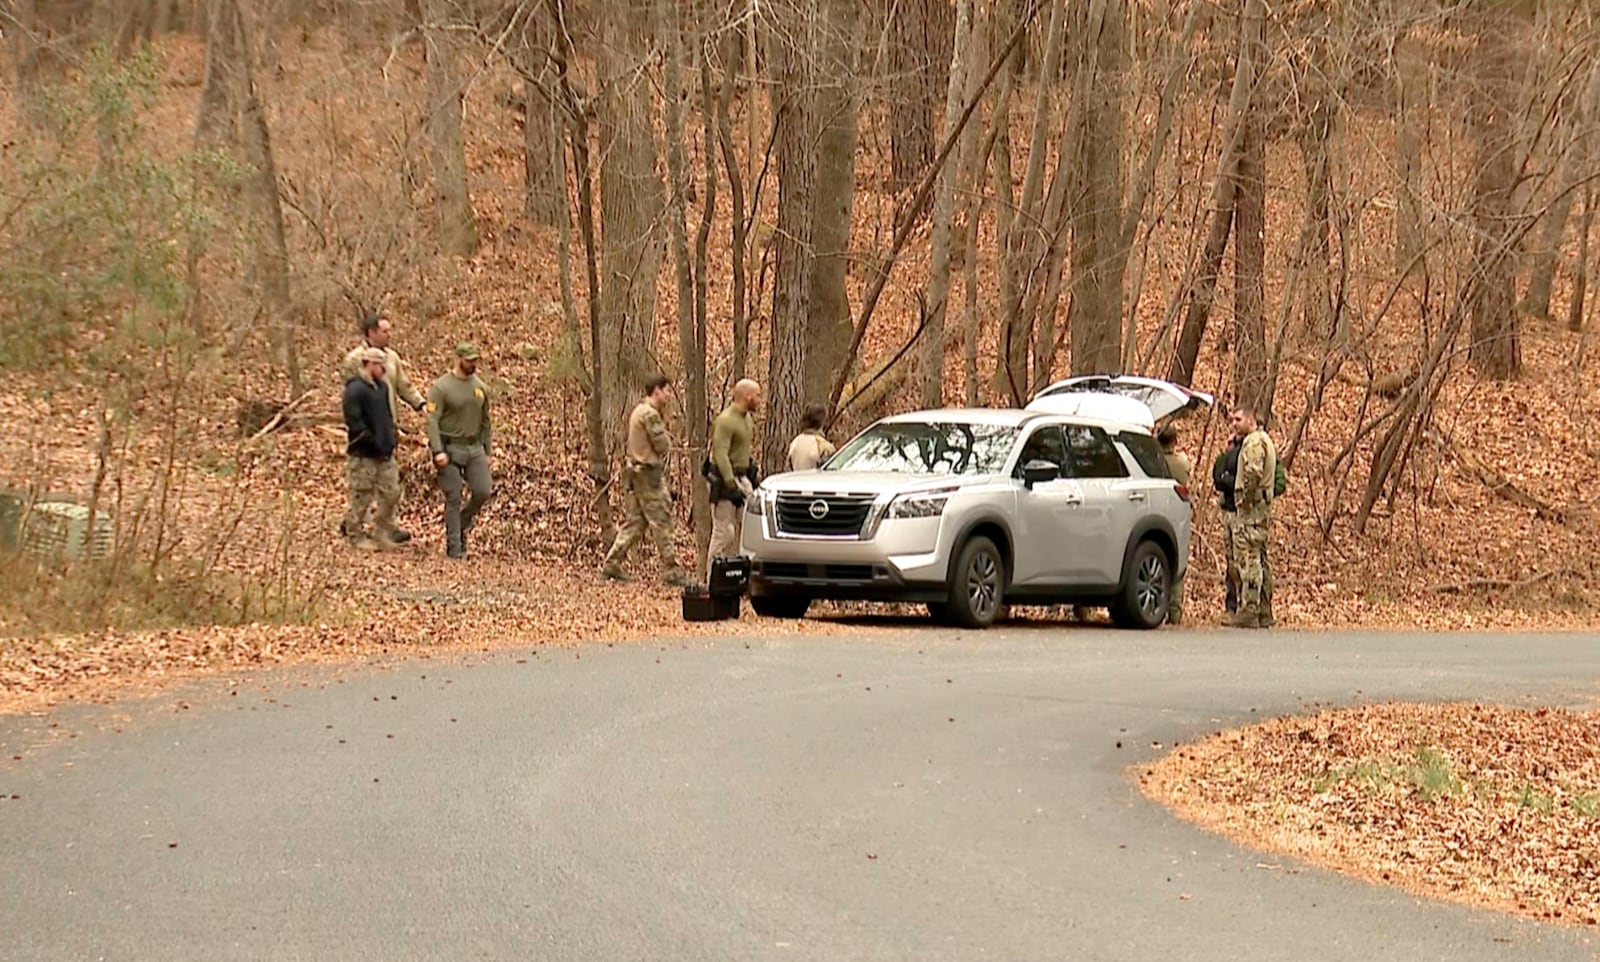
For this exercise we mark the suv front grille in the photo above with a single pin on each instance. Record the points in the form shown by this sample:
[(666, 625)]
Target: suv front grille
[(826, 515)]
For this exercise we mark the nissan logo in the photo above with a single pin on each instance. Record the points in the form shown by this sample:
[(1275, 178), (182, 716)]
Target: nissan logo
[(818, 510)]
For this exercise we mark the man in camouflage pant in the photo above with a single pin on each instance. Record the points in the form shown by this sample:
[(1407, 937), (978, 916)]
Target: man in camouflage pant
[(645, 500), (370, 470), (1252, 495)]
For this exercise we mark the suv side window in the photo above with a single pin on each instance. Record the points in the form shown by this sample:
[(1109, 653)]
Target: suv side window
[(1146, 453), (1044, 444), (1090, 454)]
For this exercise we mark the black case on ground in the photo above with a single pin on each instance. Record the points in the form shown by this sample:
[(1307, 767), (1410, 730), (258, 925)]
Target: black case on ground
[(699, 604), (730, 576)]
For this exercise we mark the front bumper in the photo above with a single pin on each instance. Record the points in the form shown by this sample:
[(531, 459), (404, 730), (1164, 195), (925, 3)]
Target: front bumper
[(905, 560)]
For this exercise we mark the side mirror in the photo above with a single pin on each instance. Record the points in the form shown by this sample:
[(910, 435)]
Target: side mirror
[(1039, 471)]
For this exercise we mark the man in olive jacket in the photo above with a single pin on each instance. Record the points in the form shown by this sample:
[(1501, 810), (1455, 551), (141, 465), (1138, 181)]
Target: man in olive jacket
[(458, 437), (732, 469)]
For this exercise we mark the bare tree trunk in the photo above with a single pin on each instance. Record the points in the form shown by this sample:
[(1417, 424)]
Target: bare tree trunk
[(230, 84), (699, 412), (578, 138), (1494, 349), (835, 101), (971, 171), (741, 219), (690, 353), (1202, 286), (457, 223), (1547, 254), (1097, 202), (1024, 229), (1411, 119), (932, 360), (1316, 297), (919, 51), (791, 300), (1580, 274), (631, 207), (1249, 236), (544, 172)]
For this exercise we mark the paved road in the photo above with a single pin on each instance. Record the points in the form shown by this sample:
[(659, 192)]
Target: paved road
[(919, 796)]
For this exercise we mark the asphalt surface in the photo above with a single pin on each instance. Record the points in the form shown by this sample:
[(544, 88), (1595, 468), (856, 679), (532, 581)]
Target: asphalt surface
[(927, 796)]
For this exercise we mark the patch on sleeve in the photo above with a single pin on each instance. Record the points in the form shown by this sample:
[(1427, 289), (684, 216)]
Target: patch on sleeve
[(432, 407)]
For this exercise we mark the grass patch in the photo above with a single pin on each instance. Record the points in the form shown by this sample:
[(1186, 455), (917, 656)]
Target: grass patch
[(87, 596), (1429, 774)]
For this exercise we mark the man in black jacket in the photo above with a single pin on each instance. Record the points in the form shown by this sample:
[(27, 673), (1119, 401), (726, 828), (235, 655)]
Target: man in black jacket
[(371, 469)]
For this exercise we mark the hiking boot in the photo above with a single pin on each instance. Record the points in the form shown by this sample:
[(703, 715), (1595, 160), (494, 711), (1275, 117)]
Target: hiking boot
[(1265, 620), (457, 551), (678, 579), (1175, 618), (400, 536), (386, 542), (616, 574), (364, 543)]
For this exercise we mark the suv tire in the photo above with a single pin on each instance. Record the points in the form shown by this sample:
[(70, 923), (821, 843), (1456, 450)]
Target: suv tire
[(786, 607), (977, 585), (1146, 589)]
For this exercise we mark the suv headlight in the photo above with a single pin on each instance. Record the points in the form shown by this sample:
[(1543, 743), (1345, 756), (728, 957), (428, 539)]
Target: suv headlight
[(922, 504), (758, 501)]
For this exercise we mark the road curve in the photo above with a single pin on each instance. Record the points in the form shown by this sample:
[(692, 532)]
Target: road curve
[(920, 795)]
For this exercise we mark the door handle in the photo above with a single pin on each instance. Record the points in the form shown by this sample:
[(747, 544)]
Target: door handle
[(1135, 495)]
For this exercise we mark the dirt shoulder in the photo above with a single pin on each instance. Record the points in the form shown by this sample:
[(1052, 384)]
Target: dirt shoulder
[(1491, 806)]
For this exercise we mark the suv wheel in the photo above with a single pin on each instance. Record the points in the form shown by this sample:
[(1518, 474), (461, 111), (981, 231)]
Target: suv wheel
[(787, 607), (1146, 588), (977, 590)]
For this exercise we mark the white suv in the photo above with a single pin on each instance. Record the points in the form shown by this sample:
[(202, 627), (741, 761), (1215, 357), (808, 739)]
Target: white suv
[(968, 511)]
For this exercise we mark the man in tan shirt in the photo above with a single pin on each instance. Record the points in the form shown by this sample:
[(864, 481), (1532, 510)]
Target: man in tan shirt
[(645, 501), (731, 468)]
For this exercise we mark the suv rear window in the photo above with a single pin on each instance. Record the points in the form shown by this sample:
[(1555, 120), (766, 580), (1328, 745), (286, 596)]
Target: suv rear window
[(1146, 453), (906, 447), (1090, 454)]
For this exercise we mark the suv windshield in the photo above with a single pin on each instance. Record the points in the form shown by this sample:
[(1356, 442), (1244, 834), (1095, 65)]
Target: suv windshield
[(936, 448)]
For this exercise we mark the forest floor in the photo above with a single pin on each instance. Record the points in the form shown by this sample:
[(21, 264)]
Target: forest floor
[(1491, 806)]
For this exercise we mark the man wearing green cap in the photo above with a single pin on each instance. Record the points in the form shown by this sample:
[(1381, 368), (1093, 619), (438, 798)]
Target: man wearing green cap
[(458, 437)]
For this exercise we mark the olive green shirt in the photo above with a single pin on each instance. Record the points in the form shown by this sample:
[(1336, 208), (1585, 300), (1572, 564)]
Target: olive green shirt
[(458, 413), (731, 437)]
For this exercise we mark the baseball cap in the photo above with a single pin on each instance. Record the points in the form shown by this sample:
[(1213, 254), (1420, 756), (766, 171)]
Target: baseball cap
[(467, 351)]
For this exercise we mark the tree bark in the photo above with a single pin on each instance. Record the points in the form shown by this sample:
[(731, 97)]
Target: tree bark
[(791, 299), (741, 218), (1494, 349), (544, 172), (1412, 100), (577, 126), (1024, 229), (1249, 232), (691, 354), (453, 213), (1096, 207), (932, 359), (631, 208), (922, 37), (1202, 285), (835, 102), (1547, 254)]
